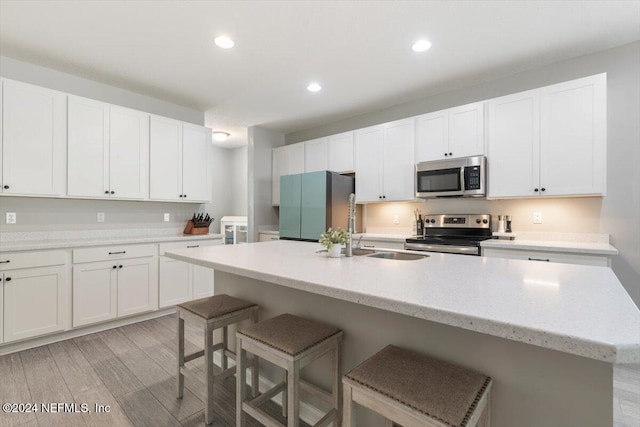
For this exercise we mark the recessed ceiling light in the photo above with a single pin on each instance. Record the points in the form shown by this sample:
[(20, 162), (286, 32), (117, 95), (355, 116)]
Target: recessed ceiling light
[(314, 87), (224, 42), (220, 136), (421, 45)]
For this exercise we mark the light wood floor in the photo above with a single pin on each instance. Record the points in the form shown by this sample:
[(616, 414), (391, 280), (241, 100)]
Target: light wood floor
[(626, 395), (131, 368)]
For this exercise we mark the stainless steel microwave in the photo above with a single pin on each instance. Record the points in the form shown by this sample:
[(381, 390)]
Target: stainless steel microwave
[(463, 177)]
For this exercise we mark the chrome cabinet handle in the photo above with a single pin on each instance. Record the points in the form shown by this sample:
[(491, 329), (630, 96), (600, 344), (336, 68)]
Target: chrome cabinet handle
[(539, 259)]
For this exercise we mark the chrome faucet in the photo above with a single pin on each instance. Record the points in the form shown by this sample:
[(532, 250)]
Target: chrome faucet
[(351, 225)]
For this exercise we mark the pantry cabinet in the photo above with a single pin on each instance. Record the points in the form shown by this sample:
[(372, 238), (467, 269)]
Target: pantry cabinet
[(286, 160), (108, 150), (451, 133), (385, 162), (549, 141), (35, 289), (110, 282), (33, 137), (179, 161)]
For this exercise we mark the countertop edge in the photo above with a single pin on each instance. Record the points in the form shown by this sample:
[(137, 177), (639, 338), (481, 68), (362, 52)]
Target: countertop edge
[(606, 352), (548, 246)]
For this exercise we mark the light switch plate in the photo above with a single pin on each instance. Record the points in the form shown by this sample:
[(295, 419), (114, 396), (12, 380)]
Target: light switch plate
[(167, 217), (537, 217), (11, 217), (100, 217), (396, 219)]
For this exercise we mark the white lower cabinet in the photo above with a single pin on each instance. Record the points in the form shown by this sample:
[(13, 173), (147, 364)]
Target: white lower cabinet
[(545, 256), (117, 282), (34, 299)]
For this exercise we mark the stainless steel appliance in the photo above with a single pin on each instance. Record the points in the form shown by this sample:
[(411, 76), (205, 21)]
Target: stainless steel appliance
[(463, 177), (455, 234)]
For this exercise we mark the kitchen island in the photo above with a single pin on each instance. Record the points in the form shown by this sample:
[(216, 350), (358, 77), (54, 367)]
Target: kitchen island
[(549, 334)]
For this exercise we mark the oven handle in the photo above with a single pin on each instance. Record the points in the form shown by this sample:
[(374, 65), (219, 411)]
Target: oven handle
[(441, 248)]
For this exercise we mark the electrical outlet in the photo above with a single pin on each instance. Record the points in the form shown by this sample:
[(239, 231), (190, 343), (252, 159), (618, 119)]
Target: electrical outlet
[(537, 217), (100, 217), (167, 217), (396, 219), (11, 217)]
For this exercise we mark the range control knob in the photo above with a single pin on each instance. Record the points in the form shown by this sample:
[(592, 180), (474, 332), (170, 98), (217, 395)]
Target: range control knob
[(478, 221), (485, 221), (433, 221)]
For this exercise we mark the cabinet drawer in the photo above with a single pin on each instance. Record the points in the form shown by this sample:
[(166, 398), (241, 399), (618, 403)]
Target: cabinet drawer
[(176, 246), (540, 256), (107, 253), (15, 260)]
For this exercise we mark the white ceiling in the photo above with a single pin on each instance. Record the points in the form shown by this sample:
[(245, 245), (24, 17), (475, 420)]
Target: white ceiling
[(358, 50)]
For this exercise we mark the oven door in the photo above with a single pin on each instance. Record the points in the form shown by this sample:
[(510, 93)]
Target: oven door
[(439, 182)]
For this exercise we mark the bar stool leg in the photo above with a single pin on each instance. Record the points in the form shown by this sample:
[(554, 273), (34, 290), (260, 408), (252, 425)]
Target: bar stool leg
[(180, 355), (284, 397), (336, 389), (388, 423), (225, 345), (208, 373), (255, 370), (241, 380), (293, 395), (348, 413)]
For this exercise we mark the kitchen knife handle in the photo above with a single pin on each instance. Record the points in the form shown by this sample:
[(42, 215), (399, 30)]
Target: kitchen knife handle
[(117, 253)]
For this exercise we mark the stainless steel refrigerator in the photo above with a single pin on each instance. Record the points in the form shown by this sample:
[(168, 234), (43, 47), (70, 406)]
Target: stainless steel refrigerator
[(310, 203)]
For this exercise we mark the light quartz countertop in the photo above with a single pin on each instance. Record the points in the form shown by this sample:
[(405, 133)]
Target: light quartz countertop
[(78, 239), (594, 248), (383, 237), (577, 309)]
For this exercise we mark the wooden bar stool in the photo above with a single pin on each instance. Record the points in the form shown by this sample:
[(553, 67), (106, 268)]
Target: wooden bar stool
[(290, 342), (218, 311), (414, 390)]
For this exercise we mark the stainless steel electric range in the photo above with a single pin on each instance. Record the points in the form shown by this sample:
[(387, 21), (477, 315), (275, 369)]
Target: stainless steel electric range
[(455, 234)]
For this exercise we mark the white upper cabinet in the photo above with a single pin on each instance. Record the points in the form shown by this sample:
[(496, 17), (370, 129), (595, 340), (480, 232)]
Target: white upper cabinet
[(108, 150), (179, 159), (316, 155), (549, 141), (341, 153), (33, 140), (286, 160), (451, 133), (195, 158), (385, 162)]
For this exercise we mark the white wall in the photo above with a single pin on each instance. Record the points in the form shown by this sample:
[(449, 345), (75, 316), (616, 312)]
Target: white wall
[(38, 214), (239, 177), (617, 214), (262, 215)]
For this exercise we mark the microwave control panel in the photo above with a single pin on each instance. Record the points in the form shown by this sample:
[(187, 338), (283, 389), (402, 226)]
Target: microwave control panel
[(472, 178)]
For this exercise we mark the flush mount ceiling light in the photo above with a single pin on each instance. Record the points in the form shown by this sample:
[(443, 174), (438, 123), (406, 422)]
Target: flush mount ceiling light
[(314, 87), (224, 42), (421, 45), (220, 136)]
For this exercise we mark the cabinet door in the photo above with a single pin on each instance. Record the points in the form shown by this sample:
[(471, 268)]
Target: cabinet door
[(369, 164), (513, 145), (175, 286), (88, 148), (295, 159), (94, 292), (195, 158), (398, 161), (137, 285), (203, 279), (341, 153), (1, 309), (466, 130), (573, 137), (316, 155), (35, 302), (278, 163), (34, 133), (313, 211), (165, 182), (129, 153), (432, 136), (290, 205)]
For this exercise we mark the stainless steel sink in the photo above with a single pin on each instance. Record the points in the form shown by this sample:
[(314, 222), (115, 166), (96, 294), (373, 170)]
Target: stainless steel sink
[(397, 255), (359, 252)]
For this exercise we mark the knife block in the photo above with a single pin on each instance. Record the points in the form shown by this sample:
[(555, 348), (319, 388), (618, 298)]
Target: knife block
[(192, 229)]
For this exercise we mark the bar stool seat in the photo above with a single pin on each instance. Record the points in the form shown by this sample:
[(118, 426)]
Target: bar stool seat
[(290, 342), (218, 311), (412, 389)]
